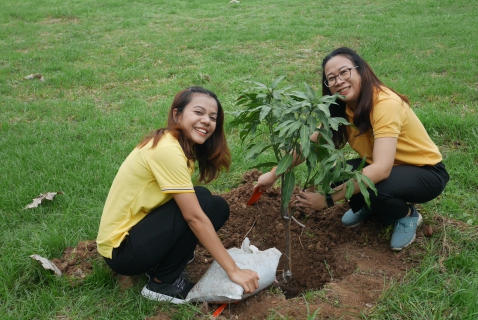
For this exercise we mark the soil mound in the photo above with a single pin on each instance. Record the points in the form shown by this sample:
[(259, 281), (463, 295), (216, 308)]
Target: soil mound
[(352, 266)]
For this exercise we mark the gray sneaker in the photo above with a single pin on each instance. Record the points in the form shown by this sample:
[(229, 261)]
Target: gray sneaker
[(353, 219), (405, 229)]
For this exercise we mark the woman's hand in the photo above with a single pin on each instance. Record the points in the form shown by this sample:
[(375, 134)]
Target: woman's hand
[(246, 278), (311, 200), (265, 181)]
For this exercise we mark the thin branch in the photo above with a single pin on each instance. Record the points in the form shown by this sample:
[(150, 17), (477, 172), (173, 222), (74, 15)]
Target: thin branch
[(301, 243), (300, 224), (250, 228)]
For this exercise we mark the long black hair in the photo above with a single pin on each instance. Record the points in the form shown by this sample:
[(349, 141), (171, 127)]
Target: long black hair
[(370, 83)]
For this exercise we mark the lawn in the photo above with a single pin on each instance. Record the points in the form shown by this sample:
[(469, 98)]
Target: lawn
[(110, 71)]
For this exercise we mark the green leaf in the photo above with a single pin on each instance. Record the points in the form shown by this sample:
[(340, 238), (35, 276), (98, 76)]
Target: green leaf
[(263, 165), (337, 171), (292, 130), (305, 139), (284, 124), (256, 149), (287, 128), (301, 95), (321, 152), (341, 120), (312, 123), (327, 99), (284, 163), (363, 189), (326, 181), (304, 133), (325, 109), (334, 124), (260, 85), (349, 189), (320, 177), (311, 156), (324, 134), (264, 112), (369, 182), (306, 148), (287, 188), (362, 164), (310, 93), (276, 82)]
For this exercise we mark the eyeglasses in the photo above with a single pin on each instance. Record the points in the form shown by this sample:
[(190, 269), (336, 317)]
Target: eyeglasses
[(343, 75)]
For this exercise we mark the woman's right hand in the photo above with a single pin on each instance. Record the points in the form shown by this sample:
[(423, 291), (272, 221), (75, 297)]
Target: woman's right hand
[(247, 279), (265, 181)]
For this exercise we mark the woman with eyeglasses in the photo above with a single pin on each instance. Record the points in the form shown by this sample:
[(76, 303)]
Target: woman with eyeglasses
[(401, 159)]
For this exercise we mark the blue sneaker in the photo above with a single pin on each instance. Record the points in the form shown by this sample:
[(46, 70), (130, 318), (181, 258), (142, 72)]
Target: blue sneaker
[(405, 229), (353, 219)]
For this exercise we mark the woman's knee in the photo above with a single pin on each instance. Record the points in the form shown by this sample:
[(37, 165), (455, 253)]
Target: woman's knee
[(215, 207), (222, 207)]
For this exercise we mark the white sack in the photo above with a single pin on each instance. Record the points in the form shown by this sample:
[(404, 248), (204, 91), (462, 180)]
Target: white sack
[(215, 286)]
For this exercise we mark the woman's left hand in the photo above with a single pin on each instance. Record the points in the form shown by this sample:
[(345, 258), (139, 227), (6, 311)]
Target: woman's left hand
[(311, 200)]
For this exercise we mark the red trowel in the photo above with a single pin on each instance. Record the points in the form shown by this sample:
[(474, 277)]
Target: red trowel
[(256, 195)]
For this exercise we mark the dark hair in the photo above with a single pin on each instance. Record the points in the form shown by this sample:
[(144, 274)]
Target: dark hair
[(369, 85), (213, 155)]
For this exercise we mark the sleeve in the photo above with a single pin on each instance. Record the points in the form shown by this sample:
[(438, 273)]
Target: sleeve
[(388, 118), (168, 165)]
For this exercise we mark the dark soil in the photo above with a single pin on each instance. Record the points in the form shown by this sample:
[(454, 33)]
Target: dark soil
[(352, 266), (76, 263)]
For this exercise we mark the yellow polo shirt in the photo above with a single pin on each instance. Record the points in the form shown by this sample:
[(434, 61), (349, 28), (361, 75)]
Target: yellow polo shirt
[(146, 180), (393, 118)]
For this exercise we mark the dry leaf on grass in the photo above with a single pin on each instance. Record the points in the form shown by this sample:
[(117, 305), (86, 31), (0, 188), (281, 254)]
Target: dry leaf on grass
[(38, 200), (34, 76), (46, 264)]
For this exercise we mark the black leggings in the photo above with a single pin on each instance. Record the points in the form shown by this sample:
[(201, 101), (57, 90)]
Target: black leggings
[(406, 184), (163, 239)]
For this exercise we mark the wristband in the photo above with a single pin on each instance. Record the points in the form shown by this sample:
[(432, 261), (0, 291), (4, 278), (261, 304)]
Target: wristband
[(330, 201)]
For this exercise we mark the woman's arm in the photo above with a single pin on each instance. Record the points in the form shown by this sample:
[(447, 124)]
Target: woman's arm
[(383, 158), (268, 179), (204, 231)]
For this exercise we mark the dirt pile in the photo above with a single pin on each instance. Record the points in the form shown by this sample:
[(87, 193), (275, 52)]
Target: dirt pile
[(352, 265)]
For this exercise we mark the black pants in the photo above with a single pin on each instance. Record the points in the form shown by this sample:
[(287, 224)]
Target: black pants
[(163, 239), (406, 184)]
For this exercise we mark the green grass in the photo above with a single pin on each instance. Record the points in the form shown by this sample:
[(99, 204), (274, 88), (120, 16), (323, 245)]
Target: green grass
[(111, 69)]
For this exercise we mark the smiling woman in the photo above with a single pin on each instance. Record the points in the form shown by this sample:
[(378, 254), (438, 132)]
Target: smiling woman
[(401, 159), (198, 119), (154, 217)]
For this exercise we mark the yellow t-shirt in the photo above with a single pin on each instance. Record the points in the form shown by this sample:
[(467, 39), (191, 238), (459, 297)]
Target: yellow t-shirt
[(393, 118), (145, 181)]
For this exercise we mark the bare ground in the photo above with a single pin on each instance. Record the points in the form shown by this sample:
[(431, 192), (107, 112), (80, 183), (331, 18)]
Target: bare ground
[(346, 269)]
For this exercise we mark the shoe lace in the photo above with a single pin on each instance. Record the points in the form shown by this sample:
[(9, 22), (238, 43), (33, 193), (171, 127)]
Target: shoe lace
[(404, 224), (182, 280)]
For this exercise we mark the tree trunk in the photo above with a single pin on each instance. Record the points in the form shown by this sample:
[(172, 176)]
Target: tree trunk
[(288, 260), (284, 212)]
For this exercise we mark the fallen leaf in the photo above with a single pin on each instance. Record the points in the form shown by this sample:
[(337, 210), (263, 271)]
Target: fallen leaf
[(34, 76), (46, 264), (38, 200)]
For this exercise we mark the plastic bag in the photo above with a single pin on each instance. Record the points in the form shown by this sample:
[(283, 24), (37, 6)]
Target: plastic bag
[(215, 286)]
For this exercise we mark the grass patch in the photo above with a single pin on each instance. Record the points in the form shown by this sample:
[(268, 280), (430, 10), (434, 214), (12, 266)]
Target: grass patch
[(111, 69)]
